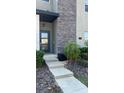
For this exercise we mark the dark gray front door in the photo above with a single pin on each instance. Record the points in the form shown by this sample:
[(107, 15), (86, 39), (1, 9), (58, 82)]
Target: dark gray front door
[(45, 41)]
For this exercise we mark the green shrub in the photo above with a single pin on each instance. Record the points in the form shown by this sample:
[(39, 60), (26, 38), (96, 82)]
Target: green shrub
[(83, 79), (71, 51), (84, 53), (84, 50), (39, 58), (84, 56)]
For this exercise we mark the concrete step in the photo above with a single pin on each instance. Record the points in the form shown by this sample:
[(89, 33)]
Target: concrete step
[(64, 62), (56, 64), (71, 85), (50, 58), (64, 77), (61, 72)]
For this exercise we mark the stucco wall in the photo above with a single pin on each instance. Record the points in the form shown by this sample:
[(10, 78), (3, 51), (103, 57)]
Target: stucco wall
[(81, 22), (46, 26), (54, 5), (37, 33), (48, 6)]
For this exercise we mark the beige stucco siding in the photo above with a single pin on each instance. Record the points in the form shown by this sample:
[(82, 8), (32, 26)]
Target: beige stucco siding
[(46, 26), (81, 22), (47, 6), (43, 5), (37, 33)]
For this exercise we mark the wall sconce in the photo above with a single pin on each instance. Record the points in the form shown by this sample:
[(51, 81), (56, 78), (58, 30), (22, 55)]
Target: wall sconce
[(80, 38)]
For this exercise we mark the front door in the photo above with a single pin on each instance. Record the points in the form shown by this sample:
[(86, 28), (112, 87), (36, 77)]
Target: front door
[(45, 41)]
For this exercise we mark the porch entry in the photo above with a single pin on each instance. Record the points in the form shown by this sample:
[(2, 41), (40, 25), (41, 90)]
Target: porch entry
[(45, 41)]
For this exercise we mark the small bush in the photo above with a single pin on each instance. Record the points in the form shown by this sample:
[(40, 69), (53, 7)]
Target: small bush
[(84, 56), (39, 58), (72, 51), (84, 53), (84, 50)]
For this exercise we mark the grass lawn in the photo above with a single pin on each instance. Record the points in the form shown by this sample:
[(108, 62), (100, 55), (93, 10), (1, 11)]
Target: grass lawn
[(83, 79)]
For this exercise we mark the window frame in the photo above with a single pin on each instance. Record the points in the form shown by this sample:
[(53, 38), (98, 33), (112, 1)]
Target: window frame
[(46, 1), (86, 6)]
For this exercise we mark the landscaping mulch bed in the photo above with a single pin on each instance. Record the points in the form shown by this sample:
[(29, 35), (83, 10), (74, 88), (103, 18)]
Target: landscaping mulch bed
[(79, 71), (45, 82)]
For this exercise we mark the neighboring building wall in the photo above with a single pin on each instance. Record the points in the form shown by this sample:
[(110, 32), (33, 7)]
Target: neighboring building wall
[(47, 6), (81, 22), (66, 23), (37, 33)]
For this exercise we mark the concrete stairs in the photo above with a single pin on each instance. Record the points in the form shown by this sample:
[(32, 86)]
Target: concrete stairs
[(64, 77), (50, 58), (61, 73), (55, 64)]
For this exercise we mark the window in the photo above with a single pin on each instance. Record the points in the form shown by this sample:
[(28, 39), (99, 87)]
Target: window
[(46, 0), (85, 35), (86, 5), (86, 8)]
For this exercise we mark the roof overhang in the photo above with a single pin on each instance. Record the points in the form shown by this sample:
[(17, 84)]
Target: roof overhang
[(47, 16)]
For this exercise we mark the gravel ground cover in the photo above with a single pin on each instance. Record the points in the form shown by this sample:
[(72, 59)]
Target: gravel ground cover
[(80, 72), (45, 82)]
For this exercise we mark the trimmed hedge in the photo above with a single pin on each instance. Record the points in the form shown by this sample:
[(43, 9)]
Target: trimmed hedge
[(39, 58)]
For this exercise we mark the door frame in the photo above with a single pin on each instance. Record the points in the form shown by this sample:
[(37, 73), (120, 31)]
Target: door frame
[(45, 31)]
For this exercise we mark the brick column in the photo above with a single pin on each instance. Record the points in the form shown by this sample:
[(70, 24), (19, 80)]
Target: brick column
[(66, 23)]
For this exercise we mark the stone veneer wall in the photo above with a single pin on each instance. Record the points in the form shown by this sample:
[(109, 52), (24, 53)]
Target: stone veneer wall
[(65, 24)]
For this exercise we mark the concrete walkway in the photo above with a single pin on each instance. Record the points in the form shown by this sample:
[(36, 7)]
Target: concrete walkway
[(64, 77)]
